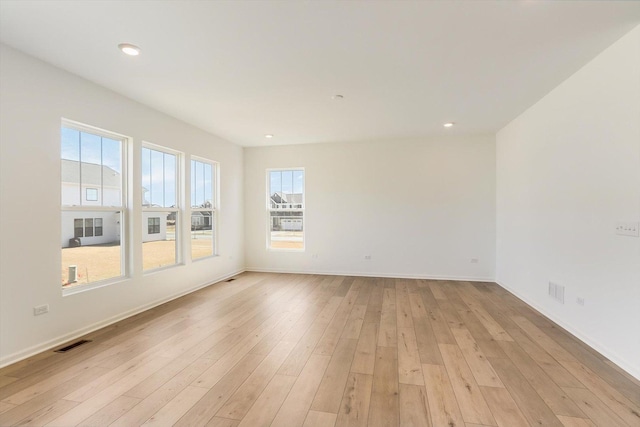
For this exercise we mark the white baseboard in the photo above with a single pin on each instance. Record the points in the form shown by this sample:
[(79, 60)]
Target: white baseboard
[(55, 342), (632, 370), (369, 274)]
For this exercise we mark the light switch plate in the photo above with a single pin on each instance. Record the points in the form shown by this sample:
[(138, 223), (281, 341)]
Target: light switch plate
[(630, 229)]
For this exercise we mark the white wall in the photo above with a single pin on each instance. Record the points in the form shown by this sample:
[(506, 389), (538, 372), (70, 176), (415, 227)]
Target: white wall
[(567, 170), (34, 97), (419, 208)]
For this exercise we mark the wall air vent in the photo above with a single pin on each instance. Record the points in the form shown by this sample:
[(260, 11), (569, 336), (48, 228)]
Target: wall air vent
[(556, 292), (72, 346)]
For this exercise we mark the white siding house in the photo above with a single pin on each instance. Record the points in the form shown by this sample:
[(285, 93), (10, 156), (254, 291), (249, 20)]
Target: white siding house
[(100, 187)]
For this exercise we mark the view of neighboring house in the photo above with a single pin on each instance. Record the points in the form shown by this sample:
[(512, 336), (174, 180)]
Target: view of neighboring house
[(100, 187), (286, 220)]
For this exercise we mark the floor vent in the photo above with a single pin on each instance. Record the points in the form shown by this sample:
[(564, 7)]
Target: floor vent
[(230, 280), (72, 346)]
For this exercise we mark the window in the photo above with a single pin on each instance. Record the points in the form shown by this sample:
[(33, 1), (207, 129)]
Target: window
[(285, 206), (92, 205), (154, 225), (78, 227), (98, 226), (88, 227), (91, 195), (160, 208), (203, 208)]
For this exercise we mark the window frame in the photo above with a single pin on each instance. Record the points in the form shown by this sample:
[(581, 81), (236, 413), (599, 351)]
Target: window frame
[(215, 205), (270, 209), (161, 211), (123, 208)]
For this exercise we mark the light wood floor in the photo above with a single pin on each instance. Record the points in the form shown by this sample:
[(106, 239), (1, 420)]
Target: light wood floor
[(304, 350)]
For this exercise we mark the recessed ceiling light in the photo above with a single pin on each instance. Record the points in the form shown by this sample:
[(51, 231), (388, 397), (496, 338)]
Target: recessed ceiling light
[(337, 97), (129, 49), (268, 135), (448, 125)]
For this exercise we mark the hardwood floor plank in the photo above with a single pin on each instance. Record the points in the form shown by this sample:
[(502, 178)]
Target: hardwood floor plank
[(241, 401), (4, 407), (384, 411), (354, 408), (550, 346), (491, 325), (320, 419), (414, 406), (303, 349), (530, 403), (294, 410), (222, 422), (334, 330), (503, 408), (387, 333), (553, 395), (206, 407), (598, 364), (404, 317), (575, 422), (443, 406), (330, 390), (17, 413), (364, 358), (594, 408), (409, 367), (153, 402), (48, 413), (354, 323), (111, 412), (623, 407), (473, 407), (177, 407), (480, 367), (268, 403), (107, 395)]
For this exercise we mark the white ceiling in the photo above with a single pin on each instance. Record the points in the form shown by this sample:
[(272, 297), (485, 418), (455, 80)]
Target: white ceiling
[(242, 69)]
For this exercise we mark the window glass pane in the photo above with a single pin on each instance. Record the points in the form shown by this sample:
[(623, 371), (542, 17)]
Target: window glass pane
[(146, 177), (70, 165), (208, 185), (91, 194), (78, 227), (169, 180), (90, 258), (98, 226), (286, 201), (202, 228), (197, 189), (88, 227), (286, 230), (159, 240), (275, 179), (157, 178)]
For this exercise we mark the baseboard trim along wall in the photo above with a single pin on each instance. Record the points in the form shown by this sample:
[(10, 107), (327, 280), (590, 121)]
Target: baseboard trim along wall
[(626, 366), (370, 274), (55, 342)]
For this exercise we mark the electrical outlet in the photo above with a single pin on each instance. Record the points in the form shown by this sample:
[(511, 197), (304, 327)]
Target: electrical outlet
[(315, 256), (474, 260), (367, 257), (630, 229), (41, 309), (580, 301)]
